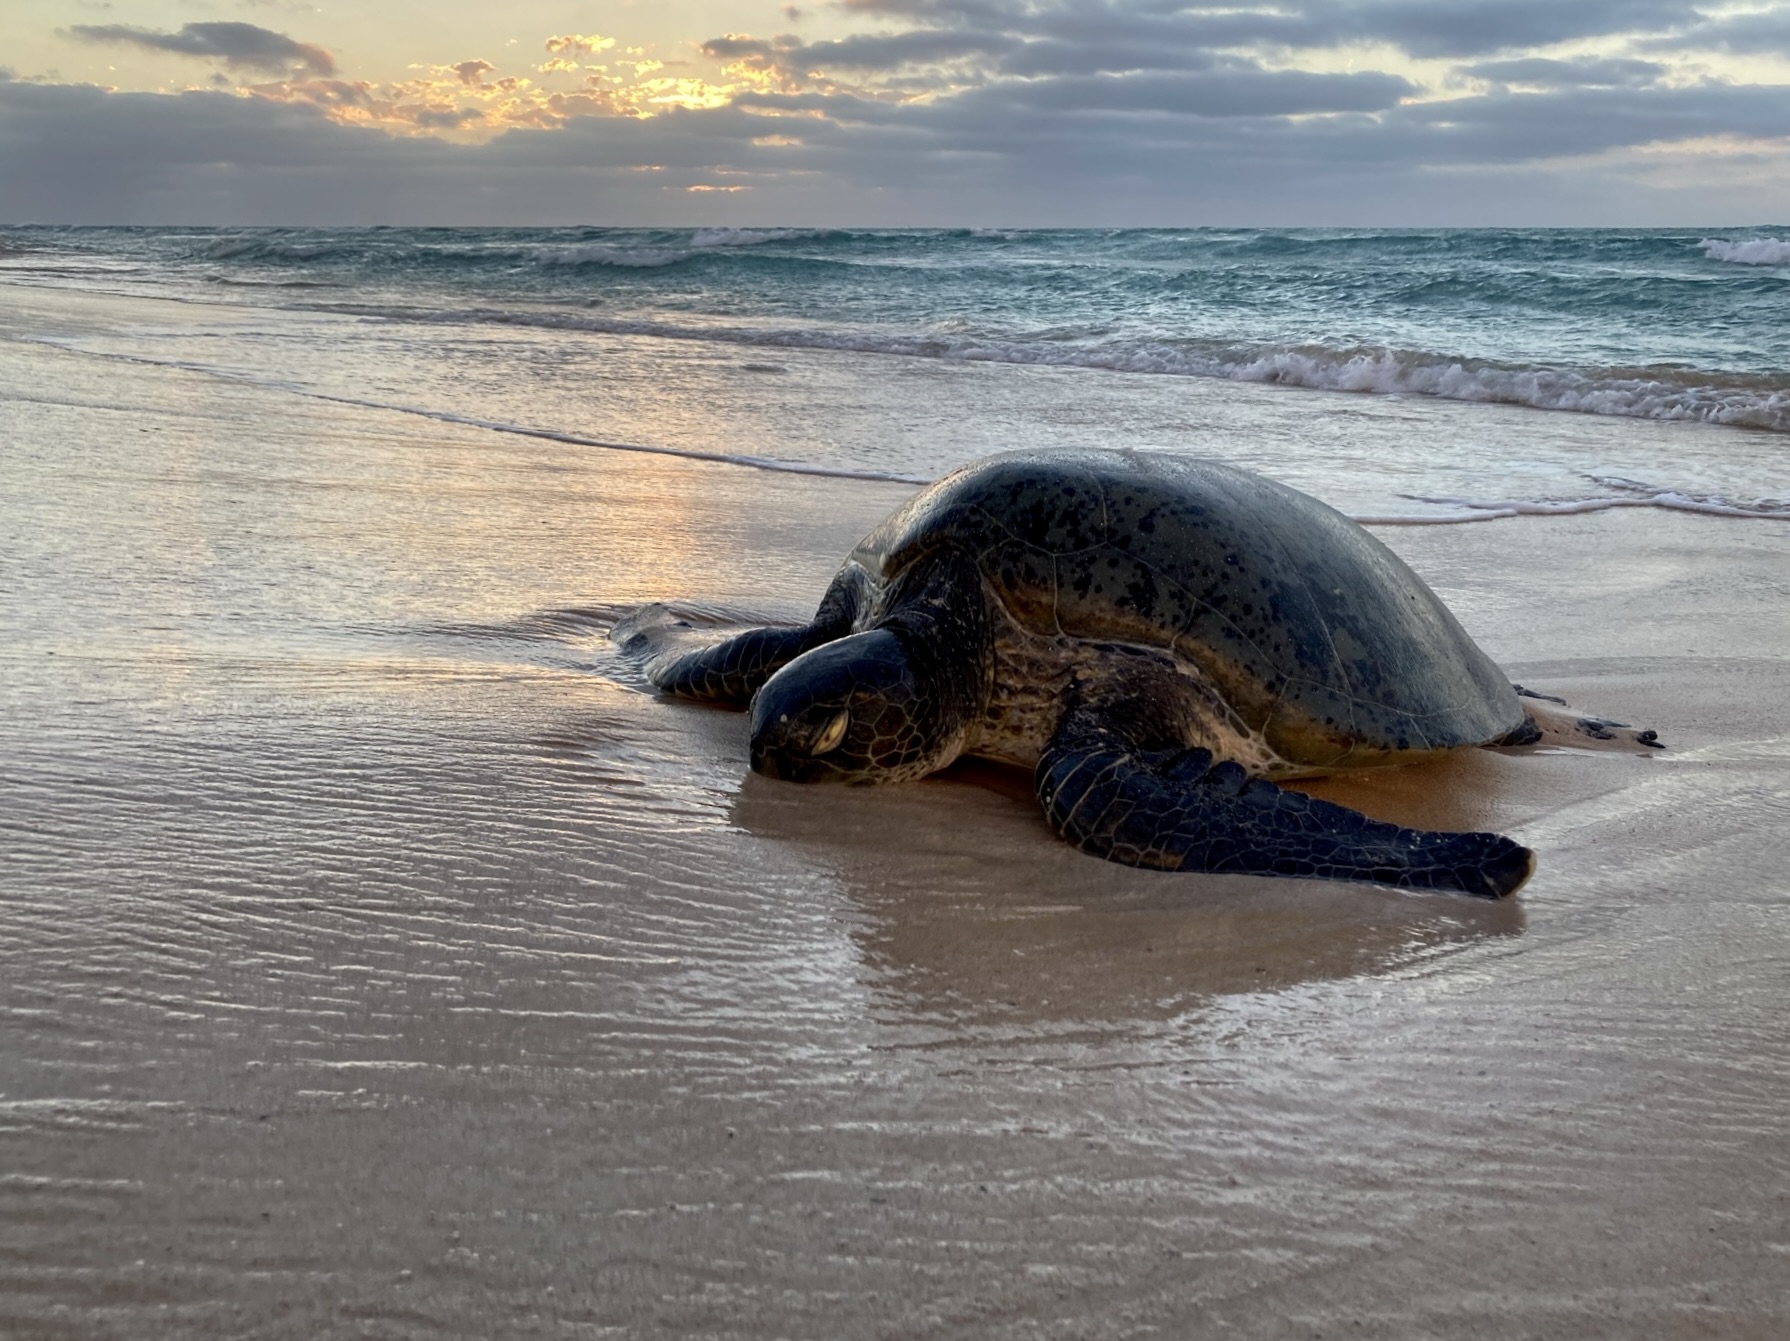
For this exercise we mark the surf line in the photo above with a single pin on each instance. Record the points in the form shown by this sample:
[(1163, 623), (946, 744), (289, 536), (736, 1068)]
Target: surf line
[(1471, 510), (769, 463)]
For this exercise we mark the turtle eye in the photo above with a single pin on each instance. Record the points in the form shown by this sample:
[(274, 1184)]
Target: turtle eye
[(835, 732)]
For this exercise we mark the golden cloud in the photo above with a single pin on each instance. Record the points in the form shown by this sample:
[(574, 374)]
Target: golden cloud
[(576, 42), (460, 102), (471, 101)]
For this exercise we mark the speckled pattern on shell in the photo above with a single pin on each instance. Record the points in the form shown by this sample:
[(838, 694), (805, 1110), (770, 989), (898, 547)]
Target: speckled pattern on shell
[(1316, 635)]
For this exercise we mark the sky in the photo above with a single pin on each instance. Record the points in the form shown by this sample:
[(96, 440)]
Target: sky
[(984, 113)]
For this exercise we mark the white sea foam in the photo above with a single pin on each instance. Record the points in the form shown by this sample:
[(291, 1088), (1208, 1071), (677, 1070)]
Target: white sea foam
[(1748, 251), (1681, 395)]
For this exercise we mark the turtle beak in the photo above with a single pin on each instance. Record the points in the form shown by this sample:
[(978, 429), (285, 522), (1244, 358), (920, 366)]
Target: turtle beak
[(784, 749), (788, 765)]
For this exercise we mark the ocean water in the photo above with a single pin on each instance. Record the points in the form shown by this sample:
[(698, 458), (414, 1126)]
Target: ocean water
[(798, 349)]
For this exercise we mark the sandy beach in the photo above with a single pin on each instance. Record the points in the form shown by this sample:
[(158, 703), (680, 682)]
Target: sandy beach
[(379, 957)]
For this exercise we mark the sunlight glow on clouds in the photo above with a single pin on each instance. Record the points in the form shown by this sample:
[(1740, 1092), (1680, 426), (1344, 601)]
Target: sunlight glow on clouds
[(458, 101), (1064, 110), (574, 43)]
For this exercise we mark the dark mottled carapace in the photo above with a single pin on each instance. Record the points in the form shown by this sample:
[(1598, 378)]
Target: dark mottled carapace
[(1315, 634)]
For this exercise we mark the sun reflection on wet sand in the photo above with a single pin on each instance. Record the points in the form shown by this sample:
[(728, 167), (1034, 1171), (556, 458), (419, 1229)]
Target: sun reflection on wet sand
[(977, 914)]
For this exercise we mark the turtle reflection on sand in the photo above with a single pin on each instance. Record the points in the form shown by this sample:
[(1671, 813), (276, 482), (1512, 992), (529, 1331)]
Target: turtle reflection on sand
[(1158, 637)]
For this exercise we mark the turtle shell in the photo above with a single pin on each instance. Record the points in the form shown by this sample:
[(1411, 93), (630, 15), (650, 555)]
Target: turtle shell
[(1317, 636)]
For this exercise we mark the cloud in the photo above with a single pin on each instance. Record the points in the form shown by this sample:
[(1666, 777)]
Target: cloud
[(1541, 72), (788, 63), (962, 44), (892, 51), (473, 100), (572, 43), (80, 153), (734, 48), (1048, 56), (1761, 33), (1424, 28), (1475, 27), (1244, 91), (454, 99), (444, 118), (1506, 127), (1070, 112), (239, 45)]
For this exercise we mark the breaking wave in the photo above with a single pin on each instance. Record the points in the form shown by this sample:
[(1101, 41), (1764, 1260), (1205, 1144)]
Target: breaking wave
[(1644, 393), (1748, 251), (1670, 393)]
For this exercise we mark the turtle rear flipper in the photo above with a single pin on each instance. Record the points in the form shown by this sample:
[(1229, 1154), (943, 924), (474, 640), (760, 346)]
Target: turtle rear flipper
[(1548, 720), (1176, 810)]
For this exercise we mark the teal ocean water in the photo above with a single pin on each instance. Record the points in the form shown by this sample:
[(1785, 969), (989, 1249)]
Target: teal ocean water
[(500, 326)]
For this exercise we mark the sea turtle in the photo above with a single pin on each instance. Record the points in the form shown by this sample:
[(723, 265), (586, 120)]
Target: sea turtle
[(1157, 637)]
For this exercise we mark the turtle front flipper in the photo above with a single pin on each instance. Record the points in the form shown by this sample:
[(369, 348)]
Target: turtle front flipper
[(731, 672), (1173, 809)]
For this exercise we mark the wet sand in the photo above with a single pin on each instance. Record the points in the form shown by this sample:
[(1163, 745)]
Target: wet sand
[(378, 958)]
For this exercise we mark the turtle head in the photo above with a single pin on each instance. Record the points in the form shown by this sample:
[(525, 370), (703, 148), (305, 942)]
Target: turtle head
[(852, 710)]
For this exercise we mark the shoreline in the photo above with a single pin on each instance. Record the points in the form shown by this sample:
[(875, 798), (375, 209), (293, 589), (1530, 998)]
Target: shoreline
[(1555, 428)]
